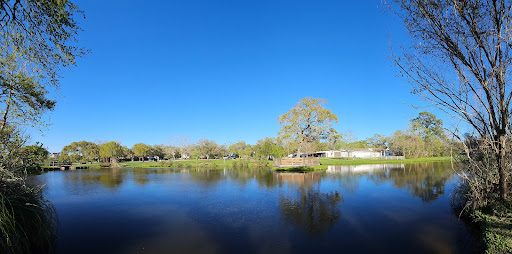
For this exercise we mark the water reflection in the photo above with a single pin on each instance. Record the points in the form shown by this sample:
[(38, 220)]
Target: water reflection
[(426, 181), (256, 210), (307, 207)]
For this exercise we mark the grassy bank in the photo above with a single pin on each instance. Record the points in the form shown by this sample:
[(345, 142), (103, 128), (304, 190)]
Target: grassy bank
[(496, 226), (197, 163), (253, 163)]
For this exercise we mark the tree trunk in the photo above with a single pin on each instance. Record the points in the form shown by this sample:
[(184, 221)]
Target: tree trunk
[(501, 168), (4, 122)]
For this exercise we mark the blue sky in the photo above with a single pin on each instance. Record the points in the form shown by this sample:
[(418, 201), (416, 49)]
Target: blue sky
[(225, 70)]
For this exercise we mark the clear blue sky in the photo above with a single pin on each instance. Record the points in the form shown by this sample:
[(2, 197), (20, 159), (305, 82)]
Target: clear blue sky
[(225, 70)]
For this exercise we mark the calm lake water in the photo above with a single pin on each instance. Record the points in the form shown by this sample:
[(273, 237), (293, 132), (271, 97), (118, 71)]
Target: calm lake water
[(347, 209)]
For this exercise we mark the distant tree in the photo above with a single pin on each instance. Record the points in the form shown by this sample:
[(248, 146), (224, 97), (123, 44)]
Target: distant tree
[(141, 150), (171, 152), (111, 151), (307, 122), (82, 151), (269, 147), (407, 143), (347, 141), (184, 145), (323, 146), (207, 148), (237, 148), (158, 151), (332, 138), (289, 144), (377, 141), (128, 153), (432, 132)]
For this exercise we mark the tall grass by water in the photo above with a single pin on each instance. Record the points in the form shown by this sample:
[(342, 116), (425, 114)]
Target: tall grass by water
[(28, 222)]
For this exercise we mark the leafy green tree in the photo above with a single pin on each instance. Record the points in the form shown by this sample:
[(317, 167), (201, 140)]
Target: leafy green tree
[(407, 143), (207, 148), (82, 151), (171, 152), (307, 122), (377, 141), (127, 152), (269, 147), (33, 155), (431, 130), (38, 38), (237, 148), (157, 150), (141, 150), (111, 151), (43, 33), (17, 159), (427, 125), (23, 99)]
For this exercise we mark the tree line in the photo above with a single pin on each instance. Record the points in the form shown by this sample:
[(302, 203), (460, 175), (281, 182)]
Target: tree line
[(424, 137)]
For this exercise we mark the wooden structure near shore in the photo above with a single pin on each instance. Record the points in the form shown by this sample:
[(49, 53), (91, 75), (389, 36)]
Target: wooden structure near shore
[(64, 167), (296, 162)]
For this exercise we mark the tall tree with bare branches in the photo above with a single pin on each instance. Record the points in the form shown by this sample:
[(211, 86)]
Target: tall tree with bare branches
[(458, 59)]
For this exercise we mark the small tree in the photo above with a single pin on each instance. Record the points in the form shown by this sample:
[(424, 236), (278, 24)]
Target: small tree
[(307, 122)]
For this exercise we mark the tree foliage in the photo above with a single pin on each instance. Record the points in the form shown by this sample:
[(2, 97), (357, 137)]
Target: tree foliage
[(37, 39), (208, 148), (270, 147), (83, 151), (307, 122), (425, 137), (241, 149), (43, 32), (17, 159), (141, 150), (111, 151)]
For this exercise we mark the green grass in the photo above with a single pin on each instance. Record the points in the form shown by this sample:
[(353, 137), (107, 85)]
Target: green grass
[(192, 163), (496, 230), (253, 163)]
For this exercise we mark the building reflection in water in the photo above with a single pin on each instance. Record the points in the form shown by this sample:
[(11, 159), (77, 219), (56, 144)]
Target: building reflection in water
[(363, 169)]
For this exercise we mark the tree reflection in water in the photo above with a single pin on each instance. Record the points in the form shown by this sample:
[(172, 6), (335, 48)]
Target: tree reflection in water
[(313, 211), (426, 181)]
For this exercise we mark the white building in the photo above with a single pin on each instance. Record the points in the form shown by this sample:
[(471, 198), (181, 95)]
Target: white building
[(329, 154), (355, 153)]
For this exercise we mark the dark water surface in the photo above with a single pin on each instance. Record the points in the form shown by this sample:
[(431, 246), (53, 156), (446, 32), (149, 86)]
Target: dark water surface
[(347, 209)]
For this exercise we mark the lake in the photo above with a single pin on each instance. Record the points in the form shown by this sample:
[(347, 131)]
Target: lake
[(349, 209)]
